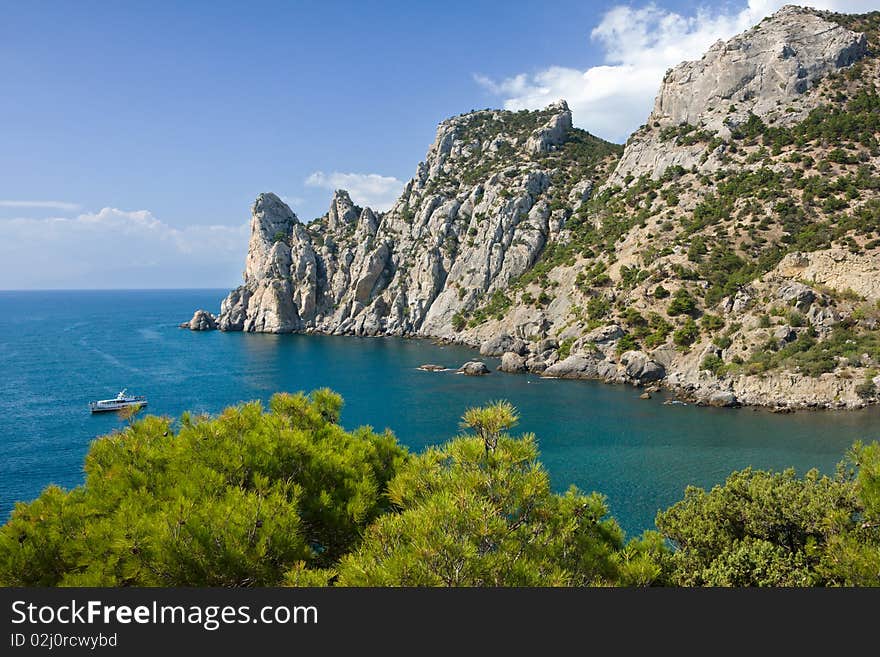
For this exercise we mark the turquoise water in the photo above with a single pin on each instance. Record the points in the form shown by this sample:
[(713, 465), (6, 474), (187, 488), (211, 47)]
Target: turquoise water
[(58, 350)]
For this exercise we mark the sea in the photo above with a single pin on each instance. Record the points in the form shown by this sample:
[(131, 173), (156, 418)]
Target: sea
[(61, 349)]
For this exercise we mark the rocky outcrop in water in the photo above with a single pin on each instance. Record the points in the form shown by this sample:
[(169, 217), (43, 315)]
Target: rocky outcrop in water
[(201, 320), (474, 368)]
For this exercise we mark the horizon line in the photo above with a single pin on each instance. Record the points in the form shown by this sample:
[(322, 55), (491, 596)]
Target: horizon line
[(111, 289)]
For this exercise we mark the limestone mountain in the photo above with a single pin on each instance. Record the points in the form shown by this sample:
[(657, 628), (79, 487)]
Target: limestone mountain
[(765, 72), (731, 250), (495, 188)]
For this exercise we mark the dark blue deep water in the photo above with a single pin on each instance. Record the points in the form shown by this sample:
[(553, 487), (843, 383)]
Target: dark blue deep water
[(58, 350)]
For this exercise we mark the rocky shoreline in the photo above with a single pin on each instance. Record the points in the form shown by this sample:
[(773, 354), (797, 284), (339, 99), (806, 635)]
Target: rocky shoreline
[(776, 393)]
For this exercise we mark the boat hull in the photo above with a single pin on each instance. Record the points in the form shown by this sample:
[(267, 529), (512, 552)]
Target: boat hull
[(96, 408)]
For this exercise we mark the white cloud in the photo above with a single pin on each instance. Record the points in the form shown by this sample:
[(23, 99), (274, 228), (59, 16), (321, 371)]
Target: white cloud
[(44, 205), (117, 248), (639, 45), (369, 189)]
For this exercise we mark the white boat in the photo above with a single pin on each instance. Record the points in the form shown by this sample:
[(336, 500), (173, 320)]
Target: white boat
[(122, 400)]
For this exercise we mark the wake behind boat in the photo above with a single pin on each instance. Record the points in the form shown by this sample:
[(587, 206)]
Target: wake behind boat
[(122, 400)]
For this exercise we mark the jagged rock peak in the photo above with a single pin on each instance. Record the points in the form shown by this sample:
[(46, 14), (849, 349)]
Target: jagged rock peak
[(343, 211), (554, 131), (774, 62), (475, 217), (767, 71), (271, 208), (560, 105), (478, 133), (272, 223), (271, 219), (557, 107)]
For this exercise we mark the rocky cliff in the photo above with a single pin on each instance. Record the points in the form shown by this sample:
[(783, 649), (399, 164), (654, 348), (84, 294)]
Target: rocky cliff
[(729, 252), (768, 72), (493, 191)]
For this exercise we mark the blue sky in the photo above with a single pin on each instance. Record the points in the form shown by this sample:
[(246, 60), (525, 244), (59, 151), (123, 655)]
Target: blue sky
[(134, 136)]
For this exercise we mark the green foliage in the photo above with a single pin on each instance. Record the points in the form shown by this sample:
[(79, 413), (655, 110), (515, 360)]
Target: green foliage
[(660, 330), (814, 357), (564, 350), (495, 308), (407, 214), (458, 321), (866, 389), (711, 322), (598, 307), (687, 334), (234, 501), (631, 276), (489, 422), (722, 341), (685, 134), (726, 272), (627, 343), (753, 127), (660, 292), (585, 152), (682, 303), (697, 249), (468, 517), (855, 553), (634, 319), (713, 363), (776, 529), (857, 121), (255, 498)]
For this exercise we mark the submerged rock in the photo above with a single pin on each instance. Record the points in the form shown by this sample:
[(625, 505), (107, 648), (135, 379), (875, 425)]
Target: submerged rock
[(474, 368)]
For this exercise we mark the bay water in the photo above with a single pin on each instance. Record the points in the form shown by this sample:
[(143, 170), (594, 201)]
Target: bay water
[(61, 349)]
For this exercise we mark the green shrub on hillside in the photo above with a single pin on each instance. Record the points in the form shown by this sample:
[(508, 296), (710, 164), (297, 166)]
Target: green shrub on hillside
[(682, 303), (687, 334), (814, 357), (712, 363), (660, 292)]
